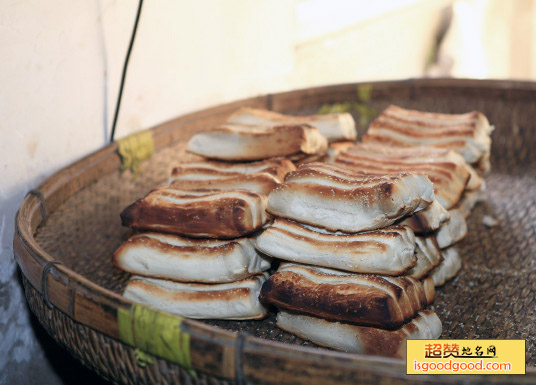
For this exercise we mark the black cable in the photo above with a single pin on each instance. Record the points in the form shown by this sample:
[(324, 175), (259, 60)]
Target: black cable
[(123, 76)]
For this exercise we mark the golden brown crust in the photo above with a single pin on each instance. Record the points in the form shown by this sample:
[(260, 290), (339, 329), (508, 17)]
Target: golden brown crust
[(389, 141), (191, 296), (467, 134), (328, 196), (447, 171), (375, 300), (361, 339), (439, 118), (402, 126), (236, 142), (260, 182), (235, 300), (418, 223), (277, 167), (207, 214), (389, 251), (429, 289), (144, 240), (335, 127)]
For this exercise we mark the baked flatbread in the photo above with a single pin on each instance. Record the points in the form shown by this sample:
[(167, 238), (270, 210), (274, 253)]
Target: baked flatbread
[(230, 301), (467, 134), (417, 154), (448, 177), (429, 288), (470, 199), (198, 213), (234, 142), (427, 220), (335, 295), (361, 339), (428, 256), (261, 182), (388, 251), (336, 148), (328, 196), (449, 268), (483, 165), (335, 127), (452, 231), (182, 259), (208, 170)]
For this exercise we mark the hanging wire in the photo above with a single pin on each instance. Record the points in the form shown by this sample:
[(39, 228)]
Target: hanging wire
[(125, 66)]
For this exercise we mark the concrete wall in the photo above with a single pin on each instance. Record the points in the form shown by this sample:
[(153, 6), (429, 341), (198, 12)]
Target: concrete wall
[(59, 75)]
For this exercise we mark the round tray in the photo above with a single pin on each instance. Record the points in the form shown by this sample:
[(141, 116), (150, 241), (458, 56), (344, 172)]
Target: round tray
[(68, 227)]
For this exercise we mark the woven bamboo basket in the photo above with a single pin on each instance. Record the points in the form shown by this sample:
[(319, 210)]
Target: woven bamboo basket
[(68, 227)]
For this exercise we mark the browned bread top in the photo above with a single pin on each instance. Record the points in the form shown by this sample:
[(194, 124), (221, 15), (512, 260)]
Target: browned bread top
[(428, 256), (361, 339), (277, 167), (363, 299), (467, 134), (334, 198), (448, 177), (388, 251), (198, 213), (235, 300), (170, 256), (237, 142), (261, 182), (427, 220), (335, 127), (410, 156)]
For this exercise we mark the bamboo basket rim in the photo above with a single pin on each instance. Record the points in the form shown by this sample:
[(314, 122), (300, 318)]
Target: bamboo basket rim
[(55, 189)]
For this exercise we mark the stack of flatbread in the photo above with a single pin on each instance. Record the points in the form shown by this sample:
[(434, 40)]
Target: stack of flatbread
[(253, 134), (352, 271), (467, 134), (441, 146), (364, 238), (442, 221), (195, 255)]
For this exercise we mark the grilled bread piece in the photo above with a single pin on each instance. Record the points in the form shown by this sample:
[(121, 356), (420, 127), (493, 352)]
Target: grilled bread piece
[(363, 299), (434, 118), (452, 231), (448, 177), (428, 256), (261, 182), (328, 196), (449, 268), (231, 301), (173, 257), (427, 220), (209, 170), (417, 154), (198, 213), (429, 288), (299, 159), (467, 134), (483, 165), (470, 199), (361, 339), (337, 148), (335, 127), (388, 251), (234, 142)]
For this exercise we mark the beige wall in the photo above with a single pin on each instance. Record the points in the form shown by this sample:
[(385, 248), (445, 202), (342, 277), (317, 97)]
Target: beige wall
[(490, 39)]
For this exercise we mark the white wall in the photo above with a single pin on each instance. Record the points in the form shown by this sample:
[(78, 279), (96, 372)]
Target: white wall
[(61, 63), (490, 39)]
